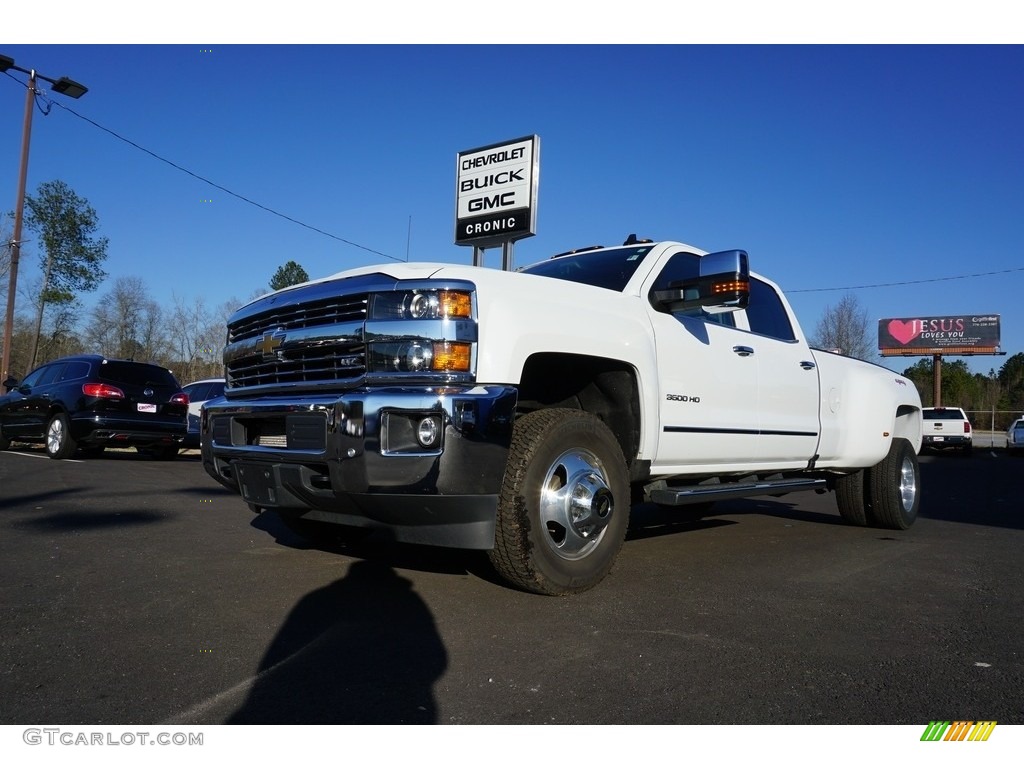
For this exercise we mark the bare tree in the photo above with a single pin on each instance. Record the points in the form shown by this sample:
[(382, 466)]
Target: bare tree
[(126, 322), (196, 339), (845, 328)]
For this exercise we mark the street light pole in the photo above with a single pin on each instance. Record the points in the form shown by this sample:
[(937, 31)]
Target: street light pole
[(19, 210), (67, 87)]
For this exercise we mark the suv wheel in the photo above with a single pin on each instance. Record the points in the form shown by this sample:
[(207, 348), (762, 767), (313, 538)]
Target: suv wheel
[(59, 443)]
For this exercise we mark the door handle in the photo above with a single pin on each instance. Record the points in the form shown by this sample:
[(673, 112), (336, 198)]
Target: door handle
[(807, 365), (743, 351)]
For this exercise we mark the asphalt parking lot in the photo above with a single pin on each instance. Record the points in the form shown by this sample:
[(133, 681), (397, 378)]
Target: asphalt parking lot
[(139, 591)]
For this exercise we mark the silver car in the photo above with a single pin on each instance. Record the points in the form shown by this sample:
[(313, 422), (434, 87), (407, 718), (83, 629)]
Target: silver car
[(198, 393), (1015, 436)]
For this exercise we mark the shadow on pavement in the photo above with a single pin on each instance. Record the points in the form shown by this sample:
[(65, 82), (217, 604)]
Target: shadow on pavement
[(362, 650), (378, 546), (86, 520)]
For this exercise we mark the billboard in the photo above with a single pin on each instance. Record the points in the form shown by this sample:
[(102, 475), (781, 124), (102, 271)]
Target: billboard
[(496, 192), (942, 335)]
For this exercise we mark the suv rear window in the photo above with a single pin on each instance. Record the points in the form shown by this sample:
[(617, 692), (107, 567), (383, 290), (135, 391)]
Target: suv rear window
[(137, 374)]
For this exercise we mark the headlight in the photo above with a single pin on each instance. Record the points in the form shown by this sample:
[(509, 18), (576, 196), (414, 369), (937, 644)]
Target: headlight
[(421, 305), (420, 356)]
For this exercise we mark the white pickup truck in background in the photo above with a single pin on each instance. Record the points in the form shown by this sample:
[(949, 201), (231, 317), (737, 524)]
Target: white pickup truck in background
[(523, 412), (945, 428)]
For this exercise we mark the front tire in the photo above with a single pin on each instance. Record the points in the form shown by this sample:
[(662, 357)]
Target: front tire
[(59, 443), (894, 485), (563, 509)]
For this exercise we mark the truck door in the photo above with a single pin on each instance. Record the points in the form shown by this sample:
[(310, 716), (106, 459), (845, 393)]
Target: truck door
[(787, 381), (707, 383)]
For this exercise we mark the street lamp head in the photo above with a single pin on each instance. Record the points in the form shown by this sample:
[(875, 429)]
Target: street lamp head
[(69, 87), (6, 62)]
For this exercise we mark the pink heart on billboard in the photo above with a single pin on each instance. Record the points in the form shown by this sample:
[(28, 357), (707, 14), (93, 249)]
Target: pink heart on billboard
[(904, 333)]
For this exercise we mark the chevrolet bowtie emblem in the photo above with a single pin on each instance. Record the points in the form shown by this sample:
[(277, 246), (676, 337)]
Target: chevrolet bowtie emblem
[(269, 344)]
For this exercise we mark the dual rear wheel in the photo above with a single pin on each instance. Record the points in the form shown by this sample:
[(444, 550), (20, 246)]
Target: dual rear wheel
[(887, 495)]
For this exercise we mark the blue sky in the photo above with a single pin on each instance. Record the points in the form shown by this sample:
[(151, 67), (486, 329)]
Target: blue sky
[(832, 165)]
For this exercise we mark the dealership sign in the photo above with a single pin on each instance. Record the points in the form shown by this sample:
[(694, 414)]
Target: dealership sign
[(944, 335), (496, 192)]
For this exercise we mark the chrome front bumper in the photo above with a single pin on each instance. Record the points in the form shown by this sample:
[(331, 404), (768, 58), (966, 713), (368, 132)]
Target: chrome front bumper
[(354, 459)]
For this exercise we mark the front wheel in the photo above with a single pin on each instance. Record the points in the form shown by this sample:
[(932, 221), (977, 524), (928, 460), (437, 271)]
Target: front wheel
[(894, 485), (59, 443), (564, 503)]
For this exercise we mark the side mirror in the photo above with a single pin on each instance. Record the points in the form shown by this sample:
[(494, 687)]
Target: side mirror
[(722, 285), (10, 383)]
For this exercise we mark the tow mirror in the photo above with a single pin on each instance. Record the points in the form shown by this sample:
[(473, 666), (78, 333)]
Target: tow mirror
[(722, 285)]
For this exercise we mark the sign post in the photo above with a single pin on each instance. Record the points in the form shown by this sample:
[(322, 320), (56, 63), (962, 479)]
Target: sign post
[(496, 196)]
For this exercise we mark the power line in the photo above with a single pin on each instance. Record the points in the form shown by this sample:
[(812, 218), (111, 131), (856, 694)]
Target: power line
[(223, 188), (908, 282), (203, 178)]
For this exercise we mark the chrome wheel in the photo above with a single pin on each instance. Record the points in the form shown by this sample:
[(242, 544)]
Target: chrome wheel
[(55, 436), (908, 484), (576, 504), (895, 487), (563, 509)]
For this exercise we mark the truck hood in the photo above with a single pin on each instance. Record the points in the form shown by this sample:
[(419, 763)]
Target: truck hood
[(421, 270)]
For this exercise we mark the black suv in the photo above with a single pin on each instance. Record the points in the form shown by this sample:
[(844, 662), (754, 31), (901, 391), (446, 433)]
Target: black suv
[(91, 402)]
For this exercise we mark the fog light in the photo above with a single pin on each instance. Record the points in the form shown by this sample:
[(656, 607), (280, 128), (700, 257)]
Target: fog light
[(428, 432)]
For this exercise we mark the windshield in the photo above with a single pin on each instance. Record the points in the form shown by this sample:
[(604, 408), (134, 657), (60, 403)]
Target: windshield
[(608, 268)]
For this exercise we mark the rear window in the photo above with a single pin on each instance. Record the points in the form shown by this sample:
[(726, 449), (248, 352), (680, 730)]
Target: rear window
[(952, 414), (137, 374)]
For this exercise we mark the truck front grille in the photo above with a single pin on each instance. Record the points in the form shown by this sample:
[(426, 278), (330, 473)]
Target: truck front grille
[(311, 364), (326, 311), (311, 341)]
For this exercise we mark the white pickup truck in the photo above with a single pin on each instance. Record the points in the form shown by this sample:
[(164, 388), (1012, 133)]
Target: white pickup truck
[(523, 412), (944, 428)]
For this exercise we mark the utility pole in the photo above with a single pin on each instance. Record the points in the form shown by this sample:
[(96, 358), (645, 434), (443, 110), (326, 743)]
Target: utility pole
[(67, 87)]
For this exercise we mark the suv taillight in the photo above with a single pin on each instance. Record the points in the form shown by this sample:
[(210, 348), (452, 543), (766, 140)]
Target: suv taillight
[(102, 390), (181, 398), (967, 427)]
